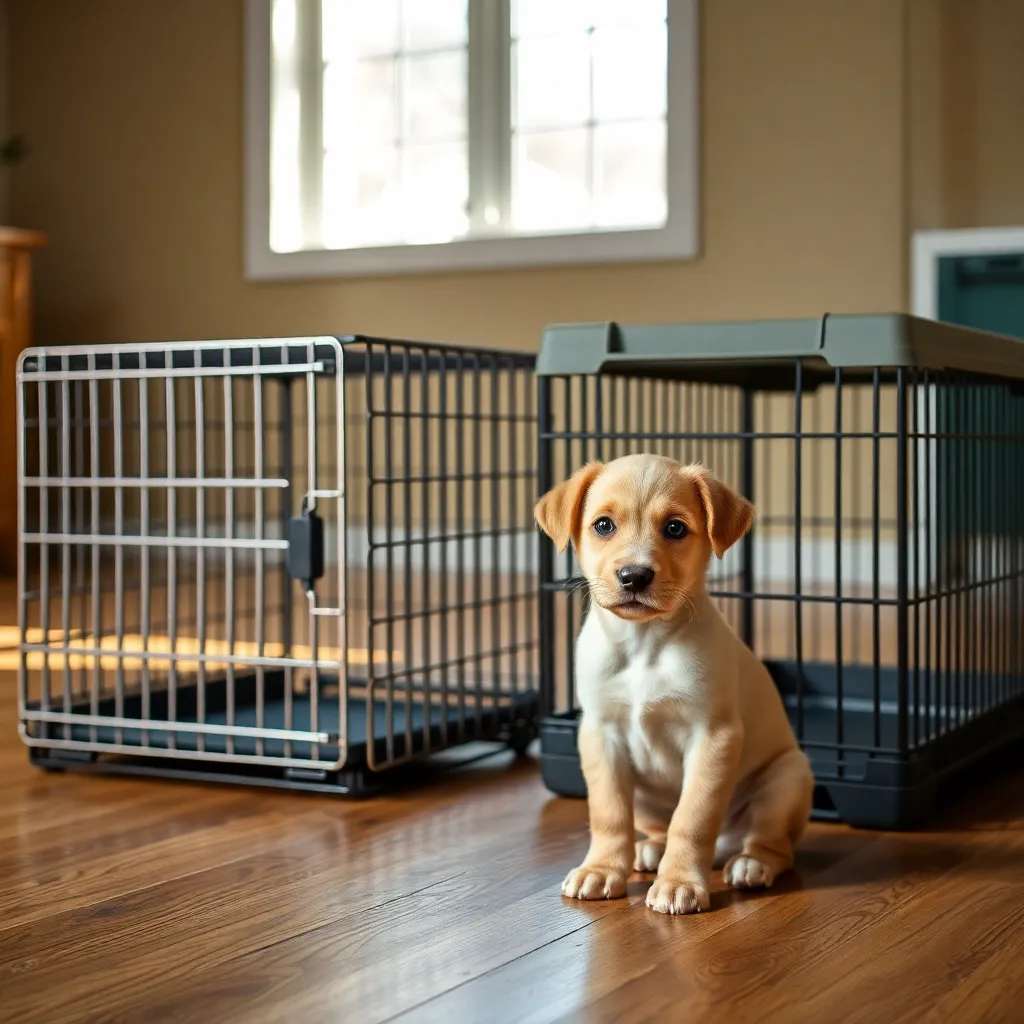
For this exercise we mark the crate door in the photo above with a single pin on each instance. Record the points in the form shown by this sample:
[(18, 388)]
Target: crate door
[(157, 614)]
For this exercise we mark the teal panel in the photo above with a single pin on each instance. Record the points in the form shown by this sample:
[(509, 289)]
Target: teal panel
[(986, 293)]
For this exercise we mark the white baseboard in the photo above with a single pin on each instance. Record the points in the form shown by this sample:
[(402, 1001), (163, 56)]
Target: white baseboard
[(518, 552), (513, 552), (775, 563)]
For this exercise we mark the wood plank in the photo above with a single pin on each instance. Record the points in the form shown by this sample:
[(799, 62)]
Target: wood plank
[(748, 944), (402, 952), (311, 878), (618, 951), (81, 874), (912, 956), (836, 947), (991, 993)]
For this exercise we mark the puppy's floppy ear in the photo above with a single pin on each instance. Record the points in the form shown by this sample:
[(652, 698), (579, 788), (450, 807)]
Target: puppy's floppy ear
[(728, 515), (558, 512)]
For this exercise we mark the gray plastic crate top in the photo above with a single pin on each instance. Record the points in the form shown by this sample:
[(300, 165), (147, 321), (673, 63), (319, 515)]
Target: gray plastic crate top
[(855, 341)]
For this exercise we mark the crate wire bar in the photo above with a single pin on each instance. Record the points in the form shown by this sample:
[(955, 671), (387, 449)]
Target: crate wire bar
[(883, 583), (168, 492)]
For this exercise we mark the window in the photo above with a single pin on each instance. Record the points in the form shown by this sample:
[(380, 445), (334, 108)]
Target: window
[(398, 135)]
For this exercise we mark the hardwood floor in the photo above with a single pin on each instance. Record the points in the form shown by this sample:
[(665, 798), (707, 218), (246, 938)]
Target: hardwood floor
[(152, 901)]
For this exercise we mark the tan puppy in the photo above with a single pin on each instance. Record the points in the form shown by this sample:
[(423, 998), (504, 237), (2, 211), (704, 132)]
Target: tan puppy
[(683, 736)]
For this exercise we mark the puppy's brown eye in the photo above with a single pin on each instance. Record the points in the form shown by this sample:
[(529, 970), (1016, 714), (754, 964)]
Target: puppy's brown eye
[(604, 527), (675, 529)]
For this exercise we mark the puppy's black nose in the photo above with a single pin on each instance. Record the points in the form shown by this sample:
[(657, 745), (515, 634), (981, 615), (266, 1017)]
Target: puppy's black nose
[(635, 578)]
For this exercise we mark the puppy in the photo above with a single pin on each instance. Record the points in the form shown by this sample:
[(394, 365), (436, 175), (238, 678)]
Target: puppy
[(683, 737)]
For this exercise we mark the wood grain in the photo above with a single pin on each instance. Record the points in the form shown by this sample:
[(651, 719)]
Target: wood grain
[(16, 247), (139, 901)]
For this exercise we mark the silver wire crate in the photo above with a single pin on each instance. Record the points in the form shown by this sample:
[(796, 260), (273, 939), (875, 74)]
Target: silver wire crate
[(293, 562)]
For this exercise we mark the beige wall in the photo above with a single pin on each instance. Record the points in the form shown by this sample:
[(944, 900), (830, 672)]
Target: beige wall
[(133, 109), (998, 113), (830, 129), (965, 126)]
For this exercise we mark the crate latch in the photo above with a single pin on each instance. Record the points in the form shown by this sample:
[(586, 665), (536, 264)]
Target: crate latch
[(305, 559)]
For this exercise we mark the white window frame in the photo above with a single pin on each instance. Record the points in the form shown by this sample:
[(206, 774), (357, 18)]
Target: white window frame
[(928, 247), (678, 239)]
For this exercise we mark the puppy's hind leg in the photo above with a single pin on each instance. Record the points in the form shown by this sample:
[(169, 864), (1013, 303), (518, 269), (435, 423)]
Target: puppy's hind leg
[(777, 814), (727, 846), (652, 824)]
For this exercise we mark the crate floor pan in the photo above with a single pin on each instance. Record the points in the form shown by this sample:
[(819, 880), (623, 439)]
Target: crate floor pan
[(861, 778), (417, 729)]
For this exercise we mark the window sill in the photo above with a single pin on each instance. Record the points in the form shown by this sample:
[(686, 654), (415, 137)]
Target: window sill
[(668, 243)]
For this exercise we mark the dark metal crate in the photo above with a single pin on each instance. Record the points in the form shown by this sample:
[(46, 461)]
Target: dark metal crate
[(883, 584)]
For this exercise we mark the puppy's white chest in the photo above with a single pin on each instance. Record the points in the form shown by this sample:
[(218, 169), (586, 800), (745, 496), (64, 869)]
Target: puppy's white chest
[(649, 695), (652, 726)]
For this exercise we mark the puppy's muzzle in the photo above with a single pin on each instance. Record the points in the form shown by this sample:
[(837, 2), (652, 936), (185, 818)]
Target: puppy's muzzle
[(635, 579)]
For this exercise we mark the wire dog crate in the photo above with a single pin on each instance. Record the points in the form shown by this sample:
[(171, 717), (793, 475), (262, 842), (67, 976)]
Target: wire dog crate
[(883, 583), (299, 563)]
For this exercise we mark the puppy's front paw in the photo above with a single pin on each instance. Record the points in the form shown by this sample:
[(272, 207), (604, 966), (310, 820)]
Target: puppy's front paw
[(745, 872), (594, 883), (677, 896)]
